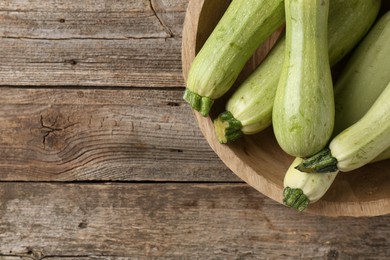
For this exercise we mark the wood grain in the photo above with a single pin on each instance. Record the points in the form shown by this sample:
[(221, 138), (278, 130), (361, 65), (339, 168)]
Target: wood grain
[(76, 62), (107, 19), (183, 221), (89, 43), (81, 134), (76, 134)]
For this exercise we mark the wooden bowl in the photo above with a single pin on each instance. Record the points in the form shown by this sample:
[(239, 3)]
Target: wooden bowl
[(257, 159)]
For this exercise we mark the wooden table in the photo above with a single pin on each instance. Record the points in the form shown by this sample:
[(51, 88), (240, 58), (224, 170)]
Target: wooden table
[(100, 158)]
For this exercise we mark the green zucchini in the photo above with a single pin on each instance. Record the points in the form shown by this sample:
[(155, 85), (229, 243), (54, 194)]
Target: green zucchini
[(383, 156), (363, 141), (368, 71), (249, 109), (358, 144), (303, 111), (352, 87), (302, 188), (245, 25), (370, 135)]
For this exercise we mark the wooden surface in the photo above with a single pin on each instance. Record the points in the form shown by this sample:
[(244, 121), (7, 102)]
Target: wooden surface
[(258, 159), (101, 159)]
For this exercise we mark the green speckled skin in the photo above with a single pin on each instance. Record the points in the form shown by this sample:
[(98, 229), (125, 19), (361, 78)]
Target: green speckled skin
[(367, 138), (245, 25), (364, 77), (252, 102), (365, 141), (303, 112)]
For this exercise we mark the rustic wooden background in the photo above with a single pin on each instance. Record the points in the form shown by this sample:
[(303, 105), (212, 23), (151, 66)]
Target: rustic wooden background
[(100, 158)]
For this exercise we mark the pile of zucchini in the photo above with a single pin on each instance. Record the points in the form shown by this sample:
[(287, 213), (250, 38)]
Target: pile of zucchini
[(330, 124)]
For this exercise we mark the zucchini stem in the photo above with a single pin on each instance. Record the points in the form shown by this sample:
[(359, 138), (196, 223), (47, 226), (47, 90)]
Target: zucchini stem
[(227, 128), (321, 162), (197, 102), (295, 198)]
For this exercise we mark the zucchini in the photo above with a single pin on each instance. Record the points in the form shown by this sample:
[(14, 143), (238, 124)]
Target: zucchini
[(249, 109), (383, 156), (303, 111), (245, 25), (366, 72), (369, 136), (301, 188), (358, 144)]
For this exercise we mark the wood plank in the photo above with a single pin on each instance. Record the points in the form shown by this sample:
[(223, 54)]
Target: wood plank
[(53, 19), (171, 13), (76, 62), (75, 134), (191, 221), (89, 43)]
